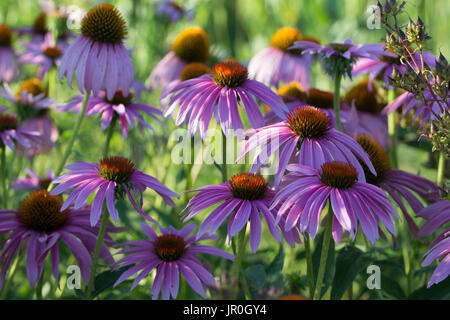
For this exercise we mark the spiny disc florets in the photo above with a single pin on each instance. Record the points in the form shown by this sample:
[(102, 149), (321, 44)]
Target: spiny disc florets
[(308, 122), (104, 23), (285, 38), (320, 99), (192, 45), (53, 52), (32, 86), (338, 175), (119, 98), (248, 186), (8, 122), (116, 169), (229, 74), (169, 247), (294, 90), (41, 212), (364, 99), (193, 70), (377, 156), (5, 35)]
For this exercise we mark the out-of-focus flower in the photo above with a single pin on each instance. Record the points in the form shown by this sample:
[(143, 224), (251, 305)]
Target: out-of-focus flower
[(112, 178), (46, 54), (308, 133), (245, 197), (7, 64), (11, 132), (98, 54), (437, 215), (41, 226), (170, 253), (398, 184), (217, 94), (33, 181), (306, 191), (121, 107), (369, 104), (32, 107), (173, 11), (277, 64), (191, 45)]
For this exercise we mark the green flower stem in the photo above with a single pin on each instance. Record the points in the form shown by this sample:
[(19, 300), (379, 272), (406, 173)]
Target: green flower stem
[(3, 175), (392, 129), (74, 136), (98, 245), (240, 249), (12, 274), (336, 100), (441, 168), (324, 254), (309, 265), (105, 217), (188, 168), (224, 158), (38, 288)]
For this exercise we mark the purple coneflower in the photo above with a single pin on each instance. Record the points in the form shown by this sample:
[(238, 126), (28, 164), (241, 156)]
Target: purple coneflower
[(46, 54), (11, 132), (7, 64), (306, 191), (173, 11), (113, 177), (384, 66), (170, 253), (398, 184), (120, 106), (40, 223), (191, 45), (244, 197), (369, 105), (32, 107), (345, 50), (98, 54), (277, 64), (308, 133), (422, 113), (218, 94), (437, 215), (33, 181)]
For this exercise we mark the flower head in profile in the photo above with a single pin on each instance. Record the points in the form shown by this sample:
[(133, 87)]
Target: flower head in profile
[(423, 113), (32, 106), (339, 57), (400, 185), (98, 54), (33, 181), (7, 56), (190, 45), (46, 54), (308, 135), (437, 215), (218, 94), (121, 107), (112, 178), (244, 198), (39, 226), (277, 64), (171, 253), (306, 191), (11, 132)]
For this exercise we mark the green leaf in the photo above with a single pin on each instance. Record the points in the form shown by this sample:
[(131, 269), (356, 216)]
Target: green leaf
[(349, 263), (106, 280), (438, 291), (275, 269), (330, 265), (257, 275)]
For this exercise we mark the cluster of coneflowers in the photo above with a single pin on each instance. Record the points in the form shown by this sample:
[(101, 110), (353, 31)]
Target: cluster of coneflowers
[(333, 165)]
